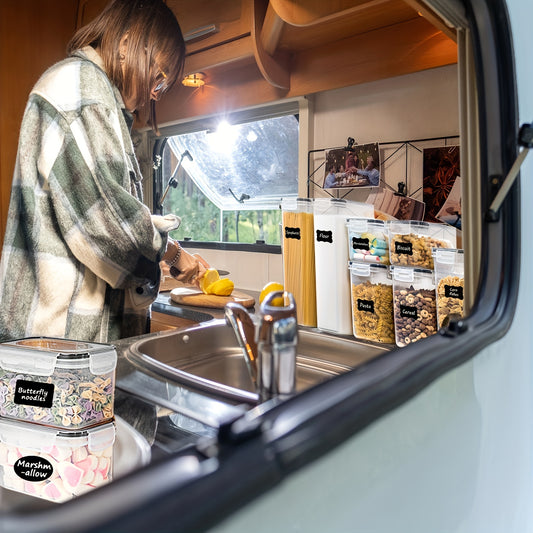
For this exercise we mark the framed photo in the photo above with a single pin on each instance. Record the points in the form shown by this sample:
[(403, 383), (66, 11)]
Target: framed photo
[(391, 206), (357, 167)]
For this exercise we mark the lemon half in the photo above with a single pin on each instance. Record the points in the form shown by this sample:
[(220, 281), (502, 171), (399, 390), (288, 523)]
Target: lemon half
[(272, 286)]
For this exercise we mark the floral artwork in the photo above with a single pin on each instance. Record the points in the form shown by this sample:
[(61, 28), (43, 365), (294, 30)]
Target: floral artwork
[(441, 168)]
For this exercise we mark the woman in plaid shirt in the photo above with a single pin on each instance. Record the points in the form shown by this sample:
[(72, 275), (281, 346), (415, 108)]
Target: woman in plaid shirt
[(81, 251)]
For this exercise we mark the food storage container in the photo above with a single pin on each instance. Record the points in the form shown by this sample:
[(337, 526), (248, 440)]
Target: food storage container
[(299, 256), (368, 240), (449, 281), (56, 382), (415, 312), (371, 297), (411, 242), (331, 256), (52, 464)]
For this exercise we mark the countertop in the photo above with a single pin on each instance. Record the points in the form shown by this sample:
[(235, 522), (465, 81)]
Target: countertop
[(164, 304)]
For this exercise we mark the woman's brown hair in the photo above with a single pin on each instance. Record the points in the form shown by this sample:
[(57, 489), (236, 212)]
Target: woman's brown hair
[(155, 48)]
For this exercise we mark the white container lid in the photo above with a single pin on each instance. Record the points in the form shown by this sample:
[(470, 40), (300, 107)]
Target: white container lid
[(41, 355), (33, 437)]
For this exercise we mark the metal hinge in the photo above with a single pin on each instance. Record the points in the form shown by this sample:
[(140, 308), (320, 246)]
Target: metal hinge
[(525, 139)]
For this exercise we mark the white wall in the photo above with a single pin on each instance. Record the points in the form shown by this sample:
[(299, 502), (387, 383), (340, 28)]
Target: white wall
[(414, 106)]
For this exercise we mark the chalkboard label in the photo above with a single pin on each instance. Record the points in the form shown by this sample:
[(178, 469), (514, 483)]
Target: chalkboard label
[(365, 305), (324, 236), (453, 291), (405, 248), (359, 243), (33, 393), (408, 311), (292, 233), (33, 468)]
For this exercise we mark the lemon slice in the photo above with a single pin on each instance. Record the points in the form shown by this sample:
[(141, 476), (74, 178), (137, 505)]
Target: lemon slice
[(272, 286), (221, 287), (211, 275)]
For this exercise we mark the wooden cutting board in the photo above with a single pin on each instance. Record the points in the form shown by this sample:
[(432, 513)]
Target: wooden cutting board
[(195, 297)]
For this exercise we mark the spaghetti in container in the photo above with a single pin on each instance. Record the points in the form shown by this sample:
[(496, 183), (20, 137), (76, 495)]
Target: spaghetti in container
[(299, 257)]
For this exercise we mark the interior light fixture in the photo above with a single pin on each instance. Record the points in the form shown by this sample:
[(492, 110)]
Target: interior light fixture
[(194, 80)]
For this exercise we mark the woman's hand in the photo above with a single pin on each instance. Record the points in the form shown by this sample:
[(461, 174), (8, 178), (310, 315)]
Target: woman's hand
[(185, 267)]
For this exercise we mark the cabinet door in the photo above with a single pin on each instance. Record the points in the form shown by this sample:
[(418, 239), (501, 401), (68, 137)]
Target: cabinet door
[(33, 36)]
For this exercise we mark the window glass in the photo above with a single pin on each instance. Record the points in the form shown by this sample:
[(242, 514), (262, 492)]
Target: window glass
[(231, 181)]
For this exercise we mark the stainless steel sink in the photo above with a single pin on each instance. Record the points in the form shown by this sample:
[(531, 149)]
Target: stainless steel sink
[(208, 357)]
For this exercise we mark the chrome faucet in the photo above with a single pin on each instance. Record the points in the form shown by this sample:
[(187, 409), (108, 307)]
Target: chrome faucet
[(269, 347)]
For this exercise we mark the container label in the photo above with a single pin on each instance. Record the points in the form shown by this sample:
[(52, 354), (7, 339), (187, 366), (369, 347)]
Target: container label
[(358, 243), (292, 233), (408, 311), (403, 247), (365, 305), (33, 468), (324, 236), (33, 393), (453, 291)]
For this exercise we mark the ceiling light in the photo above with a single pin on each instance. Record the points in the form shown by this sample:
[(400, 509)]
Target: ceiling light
[(194, 80)]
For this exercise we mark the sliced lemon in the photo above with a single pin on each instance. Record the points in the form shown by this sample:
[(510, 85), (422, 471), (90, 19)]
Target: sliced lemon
[(211, 275), (221, 287), (272, 286)]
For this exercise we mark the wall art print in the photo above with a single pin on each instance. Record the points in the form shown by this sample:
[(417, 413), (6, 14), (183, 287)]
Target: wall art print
[(441, 166)]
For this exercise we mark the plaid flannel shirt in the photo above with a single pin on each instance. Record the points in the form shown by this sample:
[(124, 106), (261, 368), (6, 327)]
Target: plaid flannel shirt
[(81, 252)]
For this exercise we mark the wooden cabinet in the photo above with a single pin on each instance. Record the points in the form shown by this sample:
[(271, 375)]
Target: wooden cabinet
[(33, 36), (164, 322)]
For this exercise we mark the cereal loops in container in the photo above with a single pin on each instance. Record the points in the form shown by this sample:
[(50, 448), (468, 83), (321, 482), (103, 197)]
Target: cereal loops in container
[(54, 465), (56, 382), (411, 242), (415, 308), (449, 280), (372, 310), (368, 240)]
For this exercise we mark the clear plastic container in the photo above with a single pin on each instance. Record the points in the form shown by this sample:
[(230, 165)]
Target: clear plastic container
[(415, 307), (449, 281), (371, 296), (299, 257), (411, 242), (57, 382), (368, 240), (55, 465)]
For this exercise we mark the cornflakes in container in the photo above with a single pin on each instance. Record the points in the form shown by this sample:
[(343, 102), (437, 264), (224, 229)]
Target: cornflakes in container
[(449, 280)]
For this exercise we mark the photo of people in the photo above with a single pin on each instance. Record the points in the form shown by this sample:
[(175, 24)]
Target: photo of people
[(356, 167)]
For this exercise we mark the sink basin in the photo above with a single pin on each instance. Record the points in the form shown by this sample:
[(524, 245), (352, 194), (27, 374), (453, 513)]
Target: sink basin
[(208, 357)]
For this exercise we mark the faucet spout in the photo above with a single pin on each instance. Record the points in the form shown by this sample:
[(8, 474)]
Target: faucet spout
[(238, 318)]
